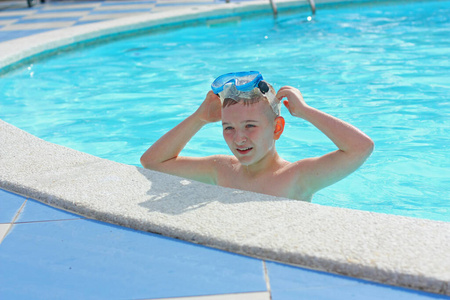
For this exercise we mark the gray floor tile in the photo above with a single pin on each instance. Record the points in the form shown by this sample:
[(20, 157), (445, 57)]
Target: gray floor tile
[(4, 228)]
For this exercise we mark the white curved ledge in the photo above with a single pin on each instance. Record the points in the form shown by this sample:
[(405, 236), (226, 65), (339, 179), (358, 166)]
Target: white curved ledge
[(389, 249)]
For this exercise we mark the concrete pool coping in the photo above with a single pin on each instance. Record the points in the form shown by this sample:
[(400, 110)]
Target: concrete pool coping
[(384, 248)]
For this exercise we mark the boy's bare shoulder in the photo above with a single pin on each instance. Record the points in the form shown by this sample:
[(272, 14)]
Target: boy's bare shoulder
[(223, 161)]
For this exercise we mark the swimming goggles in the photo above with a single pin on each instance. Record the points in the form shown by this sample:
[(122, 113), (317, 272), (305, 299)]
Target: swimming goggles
[(242, 81), (245, 85)]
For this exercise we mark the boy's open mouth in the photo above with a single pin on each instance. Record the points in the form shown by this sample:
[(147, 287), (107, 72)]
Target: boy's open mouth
[(244, 150)]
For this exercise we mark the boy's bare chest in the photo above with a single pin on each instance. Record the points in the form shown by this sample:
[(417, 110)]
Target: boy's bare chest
[(276, 184)]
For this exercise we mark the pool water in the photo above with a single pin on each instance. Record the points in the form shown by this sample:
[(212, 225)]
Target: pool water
[(383, 68)]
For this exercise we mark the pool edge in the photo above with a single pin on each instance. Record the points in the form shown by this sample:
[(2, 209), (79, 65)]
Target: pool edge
[(28, 166)]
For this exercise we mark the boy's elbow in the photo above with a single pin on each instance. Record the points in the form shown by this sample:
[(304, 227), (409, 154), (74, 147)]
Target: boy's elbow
[(362, 149), (143, 162), (367, 147), (149, 162), (146, 162), (370, 145)]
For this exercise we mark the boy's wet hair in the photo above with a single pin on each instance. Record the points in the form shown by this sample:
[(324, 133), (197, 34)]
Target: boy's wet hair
[(249, 101), (245, 101)]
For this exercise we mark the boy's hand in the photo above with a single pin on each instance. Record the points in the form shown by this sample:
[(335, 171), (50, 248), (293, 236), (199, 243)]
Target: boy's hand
[(211, 108), (294, 103)]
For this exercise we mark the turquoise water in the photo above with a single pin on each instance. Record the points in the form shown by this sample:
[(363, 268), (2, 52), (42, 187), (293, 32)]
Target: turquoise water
[(384, 69)]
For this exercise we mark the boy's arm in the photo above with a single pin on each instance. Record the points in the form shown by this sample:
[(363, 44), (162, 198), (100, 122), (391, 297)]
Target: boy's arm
[(354, 146), (163, 154)]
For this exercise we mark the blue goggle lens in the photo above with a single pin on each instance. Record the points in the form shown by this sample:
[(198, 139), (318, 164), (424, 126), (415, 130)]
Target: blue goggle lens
[(244, 81)]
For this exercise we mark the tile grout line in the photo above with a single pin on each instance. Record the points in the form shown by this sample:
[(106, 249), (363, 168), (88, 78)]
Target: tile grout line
[(79, 217), (47, 221), (13, 221), (266, 278), (19, 211)]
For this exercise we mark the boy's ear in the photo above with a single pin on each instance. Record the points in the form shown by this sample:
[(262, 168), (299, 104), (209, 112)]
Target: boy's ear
[(279, 127)]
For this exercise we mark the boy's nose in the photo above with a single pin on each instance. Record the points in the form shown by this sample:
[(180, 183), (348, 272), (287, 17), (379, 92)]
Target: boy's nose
[(240, 138)]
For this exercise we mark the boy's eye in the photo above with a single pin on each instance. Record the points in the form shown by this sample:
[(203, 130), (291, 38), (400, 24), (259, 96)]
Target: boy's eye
[(250, 126), (228, 128)]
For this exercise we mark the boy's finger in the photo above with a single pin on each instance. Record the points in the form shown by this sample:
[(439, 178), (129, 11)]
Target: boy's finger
[(280, 95)]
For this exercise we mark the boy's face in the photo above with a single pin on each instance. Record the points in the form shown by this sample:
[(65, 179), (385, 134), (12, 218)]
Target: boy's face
[(249, 131)]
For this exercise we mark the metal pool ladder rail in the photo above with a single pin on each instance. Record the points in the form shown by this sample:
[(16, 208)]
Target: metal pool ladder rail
[(312, 4)]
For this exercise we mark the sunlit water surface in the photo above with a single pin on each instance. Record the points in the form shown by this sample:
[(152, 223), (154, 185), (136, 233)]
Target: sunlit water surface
[(384, 69)]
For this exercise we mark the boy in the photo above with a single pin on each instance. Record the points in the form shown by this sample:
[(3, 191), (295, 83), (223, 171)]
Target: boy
[(249, 110)]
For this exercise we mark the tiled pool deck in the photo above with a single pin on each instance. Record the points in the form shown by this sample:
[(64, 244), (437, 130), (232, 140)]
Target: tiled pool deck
[(16, 20), (46, 253)]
